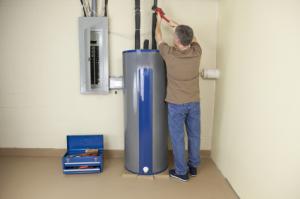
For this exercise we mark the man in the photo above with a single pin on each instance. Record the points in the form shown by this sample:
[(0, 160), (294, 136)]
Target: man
[(183, 97)]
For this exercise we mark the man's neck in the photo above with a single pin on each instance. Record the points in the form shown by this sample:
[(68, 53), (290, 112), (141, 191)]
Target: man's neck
[(182, 47)]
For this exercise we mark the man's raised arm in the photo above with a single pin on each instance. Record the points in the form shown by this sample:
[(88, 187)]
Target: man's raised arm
[(158, 34)]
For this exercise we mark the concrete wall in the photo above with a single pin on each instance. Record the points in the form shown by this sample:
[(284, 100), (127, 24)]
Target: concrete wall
[(256, 125), (40, 100)]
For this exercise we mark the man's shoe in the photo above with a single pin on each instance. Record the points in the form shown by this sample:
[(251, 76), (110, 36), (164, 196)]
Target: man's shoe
[(193, 171), (182, 178)]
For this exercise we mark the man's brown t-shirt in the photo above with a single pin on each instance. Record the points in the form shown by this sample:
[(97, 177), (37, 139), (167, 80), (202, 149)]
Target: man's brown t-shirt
[(182, 72)]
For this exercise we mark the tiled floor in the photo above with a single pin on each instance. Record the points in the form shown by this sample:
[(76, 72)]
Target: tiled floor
[(42, 178)]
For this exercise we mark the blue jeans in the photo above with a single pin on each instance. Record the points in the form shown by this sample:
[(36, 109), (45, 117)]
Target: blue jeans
[(178, 115)]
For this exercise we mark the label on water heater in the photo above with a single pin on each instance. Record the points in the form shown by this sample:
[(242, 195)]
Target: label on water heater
[(145, 169)]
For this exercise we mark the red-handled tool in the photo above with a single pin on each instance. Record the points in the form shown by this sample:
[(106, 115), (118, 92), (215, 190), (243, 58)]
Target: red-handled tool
[(161, 13)]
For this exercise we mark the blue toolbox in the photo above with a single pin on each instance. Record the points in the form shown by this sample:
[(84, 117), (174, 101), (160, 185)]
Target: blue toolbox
[(84, 154)]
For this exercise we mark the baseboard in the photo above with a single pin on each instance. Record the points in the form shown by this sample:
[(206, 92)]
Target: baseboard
[(203, 153), (32, 152), (46, 152), (231, 187)]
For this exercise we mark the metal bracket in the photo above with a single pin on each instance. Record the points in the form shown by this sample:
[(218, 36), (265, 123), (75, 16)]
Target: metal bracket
[(116, 83)]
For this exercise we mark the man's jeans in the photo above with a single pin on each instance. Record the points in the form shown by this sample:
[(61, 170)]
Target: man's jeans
[(178, 115)]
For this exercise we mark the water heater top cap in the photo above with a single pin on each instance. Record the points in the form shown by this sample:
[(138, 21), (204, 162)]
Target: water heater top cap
[(140, 50)]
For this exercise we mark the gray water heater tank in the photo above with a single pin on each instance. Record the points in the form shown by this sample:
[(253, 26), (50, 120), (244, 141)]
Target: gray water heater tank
[(146, 146)]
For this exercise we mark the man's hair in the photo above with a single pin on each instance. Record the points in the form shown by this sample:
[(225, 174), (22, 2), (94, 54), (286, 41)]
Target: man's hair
[(185, 34)]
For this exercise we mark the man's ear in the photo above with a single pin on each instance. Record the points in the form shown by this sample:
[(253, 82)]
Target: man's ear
[(177, 40)]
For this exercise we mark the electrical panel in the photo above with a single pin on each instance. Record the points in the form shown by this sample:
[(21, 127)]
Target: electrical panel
[(93, 47)]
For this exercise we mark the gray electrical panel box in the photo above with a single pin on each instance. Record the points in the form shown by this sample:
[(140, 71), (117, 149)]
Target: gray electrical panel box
[(93, 47)]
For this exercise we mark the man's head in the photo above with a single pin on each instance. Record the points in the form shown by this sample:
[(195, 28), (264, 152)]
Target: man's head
[(183, 35)]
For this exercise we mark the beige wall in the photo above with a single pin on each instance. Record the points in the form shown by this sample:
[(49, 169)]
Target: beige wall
[(40, 101), (256, 131)]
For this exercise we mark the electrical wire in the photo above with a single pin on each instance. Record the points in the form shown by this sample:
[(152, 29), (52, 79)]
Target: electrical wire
[(154, 45), (86, 8), (83, 8), (105, 8)]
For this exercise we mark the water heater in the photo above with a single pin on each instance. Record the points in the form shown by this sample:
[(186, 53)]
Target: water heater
[(146, 131)]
